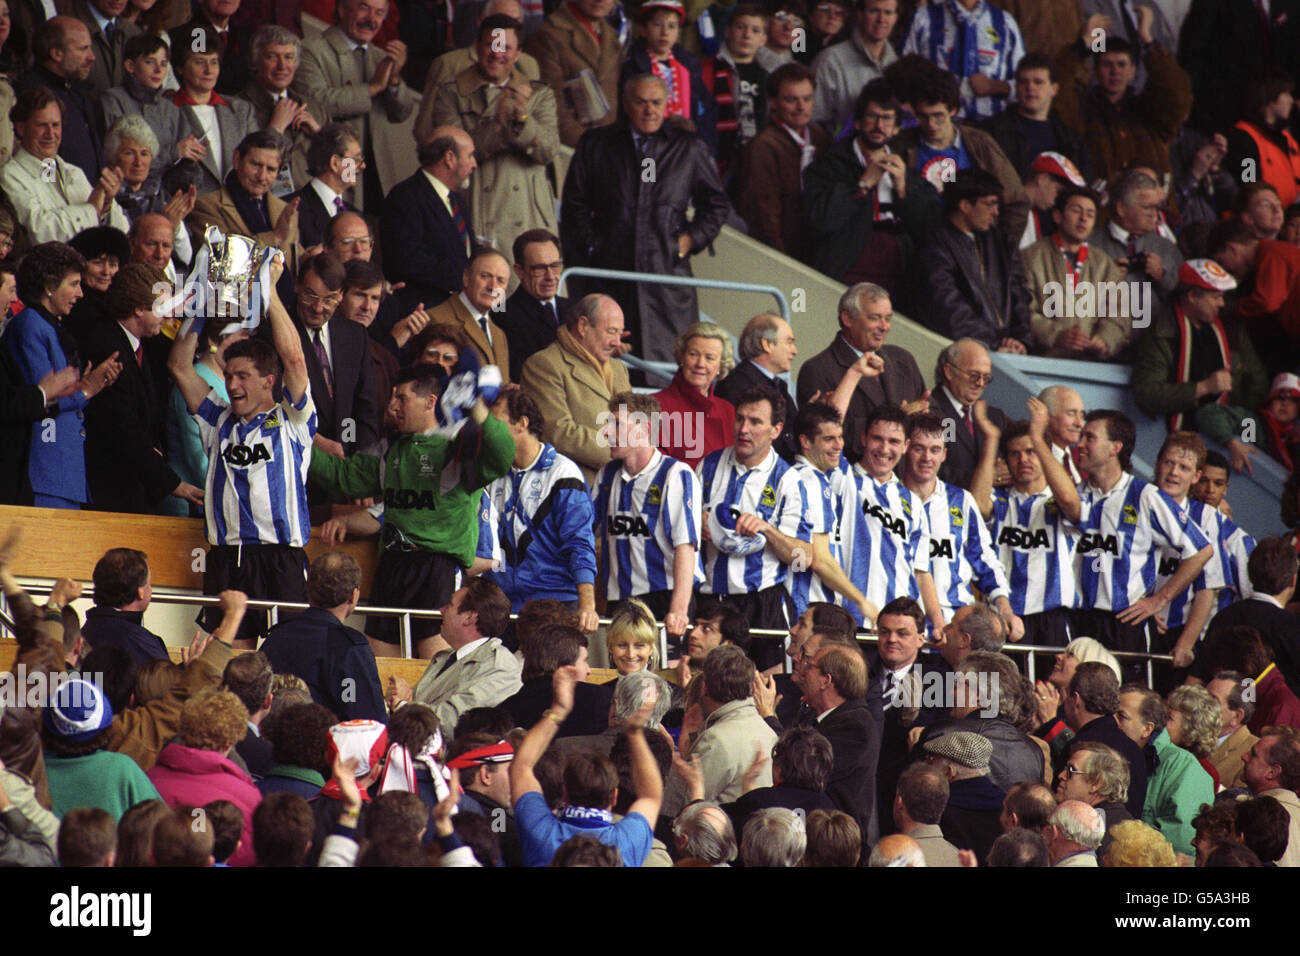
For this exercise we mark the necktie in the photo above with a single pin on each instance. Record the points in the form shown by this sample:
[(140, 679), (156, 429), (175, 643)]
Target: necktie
[(324, 359), (224, 36), (970, 422), (548, 313), (458, 220), (109, 29), (139, 355), (361, 62), (486, 327), (451, 659), (339, 205)]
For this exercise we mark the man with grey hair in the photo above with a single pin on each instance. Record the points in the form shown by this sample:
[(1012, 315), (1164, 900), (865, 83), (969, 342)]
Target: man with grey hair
[(629, 693), (961, 374), (1229, 688), (1074, 833), (1098, 776), (842, 371), (973, 628), (704, 836), (275, 55), (1064, 426), (1131, 238), (624, 207), (767, 353), (988, 698), (571, 392), (773, 837), (896, 851)]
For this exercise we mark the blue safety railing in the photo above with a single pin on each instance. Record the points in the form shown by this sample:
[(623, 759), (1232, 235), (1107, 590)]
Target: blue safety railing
[(725, 284)]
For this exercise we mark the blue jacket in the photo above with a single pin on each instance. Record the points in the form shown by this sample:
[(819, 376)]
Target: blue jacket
[(57, 459), (334, 660), (109, 627)]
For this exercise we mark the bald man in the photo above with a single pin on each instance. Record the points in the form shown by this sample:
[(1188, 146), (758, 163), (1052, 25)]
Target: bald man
[(1065, 425), (425, 228), (476, 307), (349, 238)]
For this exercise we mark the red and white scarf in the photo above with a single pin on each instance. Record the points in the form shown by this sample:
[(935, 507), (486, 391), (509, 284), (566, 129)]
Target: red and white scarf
[(1184, 371)]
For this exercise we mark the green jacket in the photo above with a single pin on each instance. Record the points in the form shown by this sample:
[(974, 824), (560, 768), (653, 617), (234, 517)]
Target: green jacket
[(408, 478), (110, 781), (1175, 793), (1155, 370)]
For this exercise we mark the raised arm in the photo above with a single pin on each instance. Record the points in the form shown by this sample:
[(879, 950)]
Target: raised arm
[(180, 363), (522, 778), (1058, 479), (285, 336), (981, 483)]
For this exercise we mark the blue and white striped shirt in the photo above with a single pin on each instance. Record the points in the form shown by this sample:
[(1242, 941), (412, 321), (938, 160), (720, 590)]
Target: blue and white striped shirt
[(641, 519), (738, 564), (961, 550), (1124, 530), (1217, 572), (1035, 544), (256, 490), (897, 543), (822, 518), (983, 40)]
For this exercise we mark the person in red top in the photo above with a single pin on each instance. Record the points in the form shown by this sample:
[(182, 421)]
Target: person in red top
[(695, 421), (1270, 302), (1281, 419), (1242, 649)]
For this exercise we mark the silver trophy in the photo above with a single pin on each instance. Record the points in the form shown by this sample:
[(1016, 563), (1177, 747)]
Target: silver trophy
[(228, 282)]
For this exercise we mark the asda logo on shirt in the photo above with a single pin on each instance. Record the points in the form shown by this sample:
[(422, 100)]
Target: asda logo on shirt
[(618, 526), (893, 525), (1023, 539)]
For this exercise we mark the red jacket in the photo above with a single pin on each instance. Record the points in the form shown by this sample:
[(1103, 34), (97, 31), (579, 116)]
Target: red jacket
[(1274, 703), (1276, 293), (690, 416), (186, 775)]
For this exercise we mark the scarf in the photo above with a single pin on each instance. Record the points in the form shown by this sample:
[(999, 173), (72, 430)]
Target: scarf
[(678, 80), (1279, 438), (1072, 267), (401, 765), (366, 740), (1184, 356), (588, 818), (579, 351)]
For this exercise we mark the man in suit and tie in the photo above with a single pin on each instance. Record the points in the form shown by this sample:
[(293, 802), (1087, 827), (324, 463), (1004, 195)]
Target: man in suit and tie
[(472, 310), (573, 379), (478, 670), (425, 230), (962, 373), (214, 15), (835, 686), (276, 53), (334, 160), (767, 351), (1064, 426), (108, 36), (895, 695), (219, 124), (360, 85), (866, 315), (338, 362), (534, 312), (125, 467), (244, 206)]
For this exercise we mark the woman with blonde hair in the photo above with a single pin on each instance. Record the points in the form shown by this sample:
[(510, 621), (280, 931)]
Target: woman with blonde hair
[(1195, 719), (1049, 694), (1133, 843), (632, 639), (696, 421)]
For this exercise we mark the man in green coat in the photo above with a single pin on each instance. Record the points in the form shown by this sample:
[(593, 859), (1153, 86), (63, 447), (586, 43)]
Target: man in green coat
[(429, 483), (1199, 370)]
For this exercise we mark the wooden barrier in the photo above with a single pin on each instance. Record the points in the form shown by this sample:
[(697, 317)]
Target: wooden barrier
[(66, 544)]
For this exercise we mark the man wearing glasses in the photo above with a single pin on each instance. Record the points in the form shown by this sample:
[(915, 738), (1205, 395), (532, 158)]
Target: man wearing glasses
[(338, 362), (536, 309), (962, 373), (973, 278)]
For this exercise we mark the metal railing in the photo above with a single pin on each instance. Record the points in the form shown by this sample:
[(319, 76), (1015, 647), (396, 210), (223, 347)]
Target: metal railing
[(725, 284), (405, 615)]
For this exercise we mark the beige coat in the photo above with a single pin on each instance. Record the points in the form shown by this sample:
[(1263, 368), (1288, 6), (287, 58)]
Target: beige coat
[(453, 312), (1045, 264), (509, 192), (330, 75), (445, 69), (726, 747), (1227, 757), (571, 395), (485, 678), (563, 49)]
